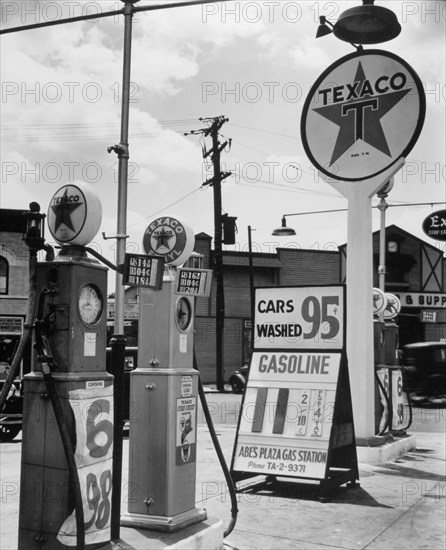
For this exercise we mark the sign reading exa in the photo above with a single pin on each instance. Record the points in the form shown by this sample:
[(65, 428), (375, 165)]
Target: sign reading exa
[(435, 225), (363, 113)]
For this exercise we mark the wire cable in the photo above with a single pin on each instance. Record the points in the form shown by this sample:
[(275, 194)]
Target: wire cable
[(166, 207)]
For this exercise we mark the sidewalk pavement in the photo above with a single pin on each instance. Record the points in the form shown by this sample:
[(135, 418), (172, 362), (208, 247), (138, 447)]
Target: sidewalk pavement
[(401, 504)]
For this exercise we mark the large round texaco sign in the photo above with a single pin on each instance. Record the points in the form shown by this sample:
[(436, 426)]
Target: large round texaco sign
[(170, 238), (363, 113), (74, 214)]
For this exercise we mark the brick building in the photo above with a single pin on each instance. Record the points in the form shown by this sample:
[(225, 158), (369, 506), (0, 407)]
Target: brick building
[(14, 259)]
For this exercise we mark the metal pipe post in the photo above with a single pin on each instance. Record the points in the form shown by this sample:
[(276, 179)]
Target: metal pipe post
[(119, 340), (251, 285)]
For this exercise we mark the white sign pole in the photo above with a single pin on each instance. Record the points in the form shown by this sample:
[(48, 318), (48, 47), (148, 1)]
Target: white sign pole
[(360, 351)]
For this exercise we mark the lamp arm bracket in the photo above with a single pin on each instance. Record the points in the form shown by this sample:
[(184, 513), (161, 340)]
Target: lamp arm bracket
[(121, 149), (114, 236)]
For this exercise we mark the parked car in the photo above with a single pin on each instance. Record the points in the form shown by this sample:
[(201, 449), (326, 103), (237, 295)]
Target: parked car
[(424, 366), (238, 380)]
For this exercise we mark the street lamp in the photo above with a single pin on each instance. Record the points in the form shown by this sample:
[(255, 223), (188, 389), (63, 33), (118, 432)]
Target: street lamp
[(283, 230), (366, 24)]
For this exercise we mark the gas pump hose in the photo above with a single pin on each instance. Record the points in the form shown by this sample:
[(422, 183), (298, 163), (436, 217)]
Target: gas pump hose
[(408, 399), (221, 458), (386, 397), (47, 363)]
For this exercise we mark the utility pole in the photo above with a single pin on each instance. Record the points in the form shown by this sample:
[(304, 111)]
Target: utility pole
[(215, 124), (251, 284)]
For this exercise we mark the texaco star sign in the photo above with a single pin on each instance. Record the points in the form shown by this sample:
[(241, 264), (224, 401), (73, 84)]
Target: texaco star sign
[(362, 114)]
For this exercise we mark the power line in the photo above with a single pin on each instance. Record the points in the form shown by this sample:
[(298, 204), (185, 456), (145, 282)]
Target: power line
[(346, 209), (168, 206), (282, 187), (266, 131), (86, 131)]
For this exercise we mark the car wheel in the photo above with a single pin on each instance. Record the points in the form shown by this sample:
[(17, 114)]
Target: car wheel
[(418, 399), (237, 386), (438, 401), (7, 433)]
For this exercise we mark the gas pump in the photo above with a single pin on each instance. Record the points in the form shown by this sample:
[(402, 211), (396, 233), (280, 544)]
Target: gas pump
[(164, 388), (66, 474), (391, 397)]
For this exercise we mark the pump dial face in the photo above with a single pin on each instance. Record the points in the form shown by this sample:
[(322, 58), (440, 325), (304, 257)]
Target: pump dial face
[(90, 304), (183, 314)]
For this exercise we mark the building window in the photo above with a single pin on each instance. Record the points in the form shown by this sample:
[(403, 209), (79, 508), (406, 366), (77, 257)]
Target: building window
[(4, 275)]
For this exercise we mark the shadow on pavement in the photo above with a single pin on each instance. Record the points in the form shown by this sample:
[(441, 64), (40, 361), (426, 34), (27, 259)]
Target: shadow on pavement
[(293, 491)]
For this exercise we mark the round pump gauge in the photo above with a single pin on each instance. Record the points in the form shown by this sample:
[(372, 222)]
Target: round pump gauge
[(183, 314), (90, 304)]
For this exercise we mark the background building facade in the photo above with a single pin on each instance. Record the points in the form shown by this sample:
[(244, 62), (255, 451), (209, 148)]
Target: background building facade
[(14, 275)]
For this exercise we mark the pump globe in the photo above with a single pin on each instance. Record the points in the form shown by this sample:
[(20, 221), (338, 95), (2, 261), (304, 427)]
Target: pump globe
[(74, 214)]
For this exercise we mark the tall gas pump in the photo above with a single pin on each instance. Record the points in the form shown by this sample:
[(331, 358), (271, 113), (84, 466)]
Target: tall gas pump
[(390, 397), (66, 472), (164, 390)]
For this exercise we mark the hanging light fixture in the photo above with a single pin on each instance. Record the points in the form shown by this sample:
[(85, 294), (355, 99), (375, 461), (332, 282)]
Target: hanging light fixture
[(324, 27), (283, 230), (366, 24)]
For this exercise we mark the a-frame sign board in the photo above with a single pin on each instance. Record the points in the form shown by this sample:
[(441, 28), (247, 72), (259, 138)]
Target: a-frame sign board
[(296, 419)]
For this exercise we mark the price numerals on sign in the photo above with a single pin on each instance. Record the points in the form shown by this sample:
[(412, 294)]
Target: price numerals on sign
[(316, 313), (196, 282), (189, 282), (145, 271)]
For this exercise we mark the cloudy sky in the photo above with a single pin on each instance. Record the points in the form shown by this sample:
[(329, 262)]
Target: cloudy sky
[(252, 61)]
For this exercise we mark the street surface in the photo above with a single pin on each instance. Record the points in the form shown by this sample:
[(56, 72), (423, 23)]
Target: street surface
[(399, 505)]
